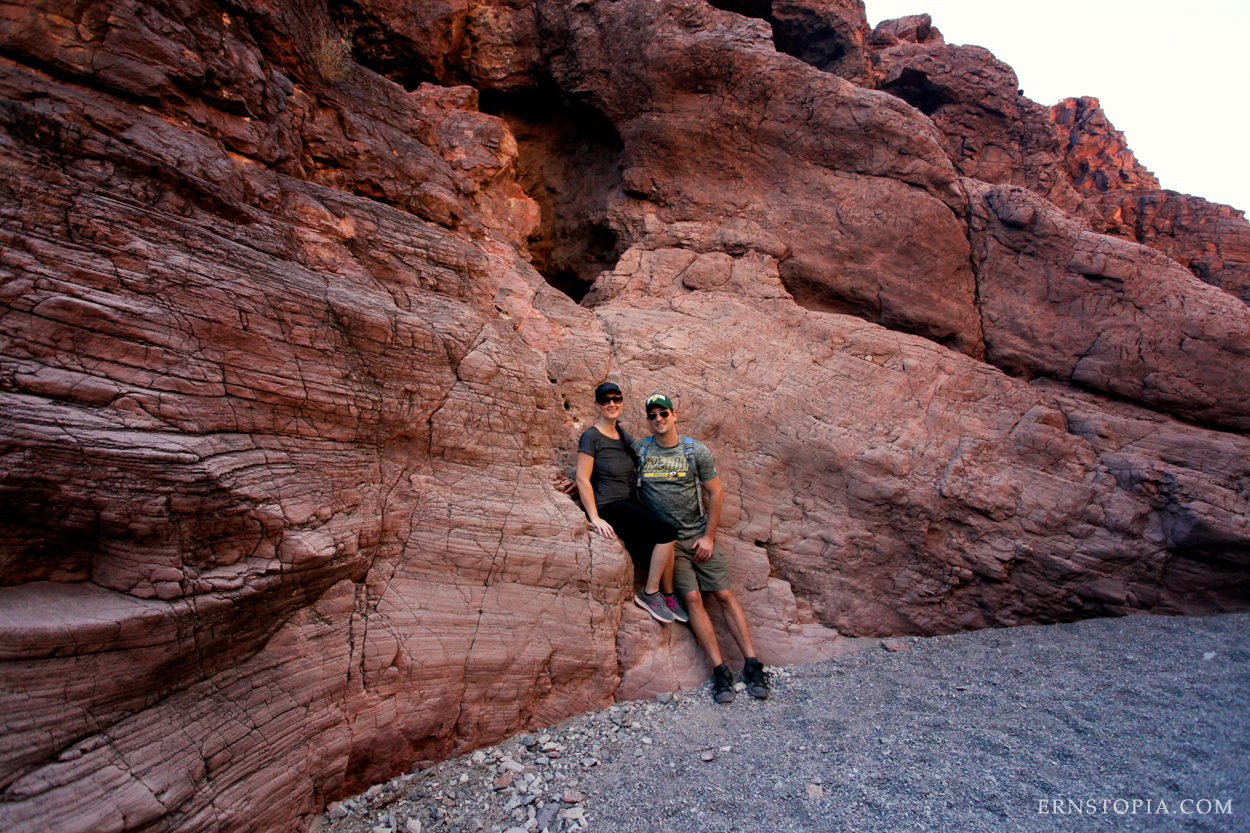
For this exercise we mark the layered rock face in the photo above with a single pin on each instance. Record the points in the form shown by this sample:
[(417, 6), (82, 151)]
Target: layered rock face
[(1212, 240), (286, 375)]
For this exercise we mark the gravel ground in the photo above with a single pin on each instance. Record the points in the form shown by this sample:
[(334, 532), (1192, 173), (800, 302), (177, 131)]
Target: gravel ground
[(1133, 724)]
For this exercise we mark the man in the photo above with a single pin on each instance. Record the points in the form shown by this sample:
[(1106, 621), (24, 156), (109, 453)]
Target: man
[(672, 469)]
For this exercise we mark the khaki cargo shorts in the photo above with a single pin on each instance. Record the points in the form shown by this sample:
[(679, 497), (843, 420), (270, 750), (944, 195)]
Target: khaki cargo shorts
[(688, 576)]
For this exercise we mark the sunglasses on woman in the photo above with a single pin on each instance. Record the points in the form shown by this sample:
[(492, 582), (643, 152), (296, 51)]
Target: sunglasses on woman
[(662, 413), (617, 399)]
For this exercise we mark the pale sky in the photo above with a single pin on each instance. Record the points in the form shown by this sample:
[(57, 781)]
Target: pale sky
[(1171, 76)]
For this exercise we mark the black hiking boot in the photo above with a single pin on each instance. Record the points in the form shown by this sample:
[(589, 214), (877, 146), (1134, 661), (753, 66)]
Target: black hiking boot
[(723, 684), (756, 679)]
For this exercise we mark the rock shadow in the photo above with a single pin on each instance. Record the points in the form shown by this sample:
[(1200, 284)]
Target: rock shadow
[(569, 162)]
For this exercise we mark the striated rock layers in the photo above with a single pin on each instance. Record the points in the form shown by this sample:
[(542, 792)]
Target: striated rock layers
[(286, 380), (1212, 240)]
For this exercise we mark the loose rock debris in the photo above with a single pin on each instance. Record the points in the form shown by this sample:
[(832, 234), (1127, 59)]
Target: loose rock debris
[(528, 783)]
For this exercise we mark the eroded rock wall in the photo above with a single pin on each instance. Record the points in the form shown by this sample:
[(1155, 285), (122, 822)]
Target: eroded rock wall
[(284, 393), (1212, 240)]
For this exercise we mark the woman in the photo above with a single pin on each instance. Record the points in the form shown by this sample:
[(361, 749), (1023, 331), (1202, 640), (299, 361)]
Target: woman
[(605, 469)]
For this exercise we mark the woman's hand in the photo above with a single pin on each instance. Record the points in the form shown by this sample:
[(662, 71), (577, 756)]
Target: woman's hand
[(603, 527)]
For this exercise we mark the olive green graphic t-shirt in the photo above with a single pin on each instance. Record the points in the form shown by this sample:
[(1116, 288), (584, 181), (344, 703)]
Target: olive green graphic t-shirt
[(669, 488)]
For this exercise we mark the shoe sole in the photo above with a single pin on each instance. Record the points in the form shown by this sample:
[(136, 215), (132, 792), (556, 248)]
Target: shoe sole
[(657, 617), (757, 694), (726, 697)]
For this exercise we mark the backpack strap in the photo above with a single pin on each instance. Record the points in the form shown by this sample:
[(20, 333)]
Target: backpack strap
[(646, 446), (687, 446)]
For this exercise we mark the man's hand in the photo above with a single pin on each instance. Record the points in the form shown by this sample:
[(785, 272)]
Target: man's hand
[(569, 487), (703, 549)]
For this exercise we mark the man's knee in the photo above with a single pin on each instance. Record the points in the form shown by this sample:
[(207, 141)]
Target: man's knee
[(694, 599), (725, 596)]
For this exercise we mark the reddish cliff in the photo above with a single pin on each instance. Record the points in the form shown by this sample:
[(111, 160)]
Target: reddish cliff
[(286, 371), (1212, 240)]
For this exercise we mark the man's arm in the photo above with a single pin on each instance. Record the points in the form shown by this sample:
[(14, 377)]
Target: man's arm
[(715, 497)]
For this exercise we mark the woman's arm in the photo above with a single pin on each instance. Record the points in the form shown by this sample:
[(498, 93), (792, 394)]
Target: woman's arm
[(585, 465)]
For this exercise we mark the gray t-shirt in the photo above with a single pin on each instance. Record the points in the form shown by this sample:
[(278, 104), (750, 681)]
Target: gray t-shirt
[(669, 488), (614, 467)]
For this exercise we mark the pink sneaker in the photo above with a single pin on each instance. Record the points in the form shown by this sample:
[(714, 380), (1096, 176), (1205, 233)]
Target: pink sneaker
[(678, 609)]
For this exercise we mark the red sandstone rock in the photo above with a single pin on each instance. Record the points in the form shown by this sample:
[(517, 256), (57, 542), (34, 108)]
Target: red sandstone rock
[(1212, 240), (906, 488), (283, 394), (1097, 156), (828, 34), (991, 131), (1060, 301), (916, 28)]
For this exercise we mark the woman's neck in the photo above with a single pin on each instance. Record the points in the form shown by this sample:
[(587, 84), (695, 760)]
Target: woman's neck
[(607, 428)]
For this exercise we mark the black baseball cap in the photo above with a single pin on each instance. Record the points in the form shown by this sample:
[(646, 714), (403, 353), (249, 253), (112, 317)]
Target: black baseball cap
[(606, 388)]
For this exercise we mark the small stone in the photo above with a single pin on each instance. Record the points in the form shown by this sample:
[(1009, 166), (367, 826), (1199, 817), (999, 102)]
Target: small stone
[(646, 741), (573, 813), (664, 697), (547, 815), (894, 645), (512, 765), (528, 741), (708, 755), (726, 749), (1209, 655), (504, 780), (413, 826), (572, 797), (638, 753), (338, 810), (740, 686), (589, 762), (815, 791)]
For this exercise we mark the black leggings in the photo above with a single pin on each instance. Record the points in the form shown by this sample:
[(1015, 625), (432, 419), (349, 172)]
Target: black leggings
[(637, 527)]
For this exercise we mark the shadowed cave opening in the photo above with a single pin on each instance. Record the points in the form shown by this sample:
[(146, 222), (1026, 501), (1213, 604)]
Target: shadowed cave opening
[(918, 90), (804, 33), (569, 162)]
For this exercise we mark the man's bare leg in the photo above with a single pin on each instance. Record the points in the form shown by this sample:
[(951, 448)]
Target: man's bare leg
[(736, 620), (753, 673), (704, 633)]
